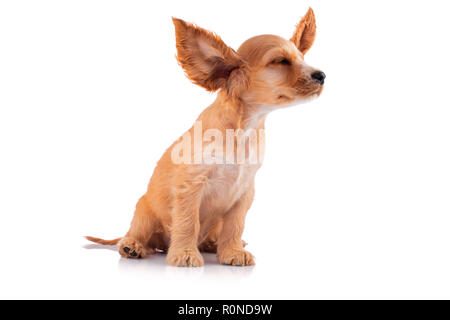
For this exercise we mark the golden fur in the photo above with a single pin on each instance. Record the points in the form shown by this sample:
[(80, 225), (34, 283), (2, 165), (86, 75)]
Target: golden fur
[(190, 208)]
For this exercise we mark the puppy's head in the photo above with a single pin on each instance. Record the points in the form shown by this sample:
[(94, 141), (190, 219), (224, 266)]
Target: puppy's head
[(266, 69)]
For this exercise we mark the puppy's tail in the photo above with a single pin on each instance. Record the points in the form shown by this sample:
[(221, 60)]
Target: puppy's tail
[(101, 241)]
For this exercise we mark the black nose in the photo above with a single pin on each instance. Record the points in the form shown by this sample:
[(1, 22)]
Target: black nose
[(319, 76)]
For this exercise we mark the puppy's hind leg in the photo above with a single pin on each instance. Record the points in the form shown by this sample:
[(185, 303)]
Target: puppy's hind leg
[(209, 243), (135, 243)]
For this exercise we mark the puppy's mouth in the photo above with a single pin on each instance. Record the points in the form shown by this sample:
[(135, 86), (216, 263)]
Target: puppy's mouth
[(319, 91), (300, 95), (314, 93)]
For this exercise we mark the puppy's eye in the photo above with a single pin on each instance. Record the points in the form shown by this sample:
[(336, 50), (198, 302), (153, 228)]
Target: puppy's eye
[(282, 61)]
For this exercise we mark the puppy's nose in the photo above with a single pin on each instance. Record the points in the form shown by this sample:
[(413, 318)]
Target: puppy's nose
[(319, 76)]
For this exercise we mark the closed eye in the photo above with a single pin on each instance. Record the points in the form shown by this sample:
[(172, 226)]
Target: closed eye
[(282, 61)]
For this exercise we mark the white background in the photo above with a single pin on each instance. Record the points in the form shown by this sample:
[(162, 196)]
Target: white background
[(351, 202)]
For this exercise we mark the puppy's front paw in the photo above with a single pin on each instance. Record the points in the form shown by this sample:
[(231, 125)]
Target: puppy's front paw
[(236, 257), (129, 248), (185, 258)]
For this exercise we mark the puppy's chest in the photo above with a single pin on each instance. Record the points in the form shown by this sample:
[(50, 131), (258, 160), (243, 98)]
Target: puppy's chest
[(227, 183)]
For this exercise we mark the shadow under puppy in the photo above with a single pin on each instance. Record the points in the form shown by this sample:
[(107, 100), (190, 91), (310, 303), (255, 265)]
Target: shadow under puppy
[(199, 204)]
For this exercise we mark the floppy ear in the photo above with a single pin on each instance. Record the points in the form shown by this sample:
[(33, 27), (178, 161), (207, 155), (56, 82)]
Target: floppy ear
[(305, 32), (207, 60)]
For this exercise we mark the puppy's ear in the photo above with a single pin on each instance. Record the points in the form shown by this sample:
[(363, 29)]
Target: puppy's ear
[(305, 32), (207, 60)]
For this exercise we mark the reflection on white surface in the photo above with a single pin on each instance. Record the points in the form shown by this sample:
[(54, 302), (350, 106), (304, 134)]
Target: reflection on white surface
[(157, 264), (99, 246)]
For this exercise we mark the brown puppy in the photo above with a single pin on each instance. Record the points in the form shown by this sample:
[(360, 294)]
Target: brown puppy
[(203, 185)]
